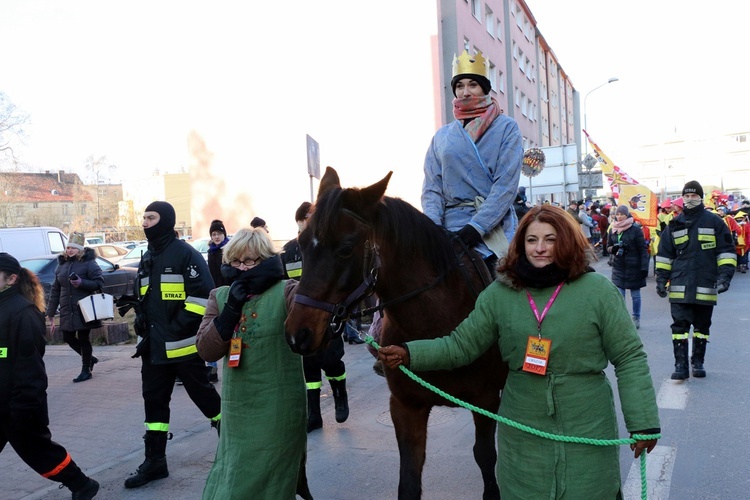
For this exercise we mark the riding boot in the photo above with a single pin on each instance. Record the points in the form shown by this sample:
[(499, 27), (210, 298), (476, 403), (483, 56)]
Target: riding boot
[(314, 420), (696, 360), (340, 399), (155, 465), (680, 359), (94, 360), (85, 373)]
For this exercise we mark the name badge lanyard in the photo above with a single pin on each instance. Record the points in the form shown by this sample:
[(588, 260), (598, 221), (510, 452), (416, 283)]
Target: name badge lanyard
[(540, 318)]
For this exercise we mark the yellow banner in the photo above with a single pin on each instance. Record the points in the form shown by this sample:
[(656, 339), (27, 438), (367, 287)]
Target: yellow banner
[(641, 202)]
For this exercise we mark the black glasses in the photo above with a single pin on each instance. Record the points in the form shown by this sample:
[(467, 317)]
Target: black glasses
[(248, 262)]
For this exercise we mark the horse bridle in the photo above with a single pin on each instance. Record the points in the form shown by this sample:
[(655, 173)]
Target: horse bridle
[(342, 311)]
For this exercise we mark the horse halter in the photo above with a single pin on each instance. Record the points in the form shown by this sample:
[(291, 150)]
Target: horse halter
[(342, 311)]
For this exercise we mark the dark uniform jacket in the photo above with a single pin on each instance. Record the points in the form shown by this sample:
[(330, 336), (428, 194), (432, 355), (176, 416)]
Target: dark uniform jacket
[(67, 296), (173, 284), (291, 256), (23, 380), (696, 252)]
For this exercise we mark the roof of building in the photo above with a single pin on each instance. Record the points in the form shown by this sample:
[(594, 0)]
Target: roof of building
[(43, 187)]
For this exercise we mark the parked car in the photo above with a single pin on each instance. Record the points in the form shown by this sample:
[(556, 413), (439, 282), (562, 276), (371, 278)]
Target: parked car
[(26, 242), (109, 251), (201, 245), (117, 281), (133, 257)]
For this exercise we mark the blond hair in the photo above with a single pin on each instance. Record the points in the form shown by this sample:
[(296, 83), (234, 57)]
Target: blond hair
[(255, 240)]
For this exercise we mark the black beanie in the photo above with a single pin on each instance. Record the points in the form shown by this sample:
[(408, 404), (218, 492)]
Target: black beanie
[(165, 226), (302, 211), (693, 187), (481, 80), (257, 222), (9, 263), (217, 225)]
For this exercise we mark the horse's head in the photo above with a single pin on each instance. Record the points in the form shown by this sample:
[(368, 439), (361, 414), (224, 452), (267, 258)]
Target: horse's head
[(339, 262)]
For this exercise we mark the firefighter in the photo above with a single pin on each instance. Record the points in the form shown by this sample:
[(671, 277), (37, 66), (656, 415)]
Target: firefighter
[(24, 419), (697, 257), (172, 289), (329, 360)]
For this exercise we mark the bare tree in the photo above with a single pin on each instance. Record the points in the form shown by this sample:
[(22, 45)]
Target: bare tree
[(99, 172), (12, 122)]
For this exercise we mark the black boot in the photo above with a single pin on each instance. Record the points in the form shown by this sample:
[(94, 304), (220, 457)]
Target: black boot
[(88, 491), (155, 465), (696, 360), (85, 373), (680, 360), (82, 486), (314, 420), (340, 399), (94, 360)]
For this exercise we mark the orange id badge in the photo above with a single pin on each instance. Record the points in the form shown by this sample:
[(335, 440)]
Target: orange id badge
[(537, 355), (235, 349)]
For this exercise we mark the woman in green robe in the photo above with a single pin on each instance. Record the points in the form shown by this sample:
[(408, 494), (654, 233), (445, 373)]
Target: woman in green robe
[(558, 324), (263, 404)]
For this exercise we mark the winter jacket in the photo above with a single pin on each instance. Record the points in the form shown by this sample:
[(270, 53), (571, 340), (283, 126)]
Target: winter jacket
[(696, 252), (291, 256), (67, 296), (173, 285), (215, 255), (457, 171), (629, 267), (23, 380), (589, 327)]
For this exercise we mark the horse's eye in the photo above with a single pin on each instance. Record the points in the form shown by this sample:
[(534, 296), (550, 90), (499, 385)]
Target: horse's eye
[(345, 251)]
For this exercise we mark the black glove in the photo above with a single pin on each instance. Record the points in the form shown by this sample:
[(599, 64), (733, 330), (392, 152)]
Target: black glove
[(661, 289), (232, 312), (644, 274), (722, 286), (470, 236)]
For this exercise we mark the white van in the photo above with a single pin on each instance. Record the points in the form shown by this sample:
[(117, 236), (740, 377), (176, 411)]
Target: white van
[(25, 242)]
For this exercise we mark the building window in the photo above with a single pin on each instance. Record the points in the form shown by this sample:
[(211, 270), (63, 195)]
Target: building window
[(519, 18), (514, 49), (516, 97), (65, 209), (493, 80), (35, 205), (524, 105), (529, 68), (489, 20), (476, 6), (499, 30), (500, 82), (466, 45), (741, 138)]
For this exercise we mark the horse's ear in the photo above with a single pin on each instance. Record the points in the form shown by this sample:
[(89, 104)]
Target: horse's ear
[(372, 194), (329, 181)]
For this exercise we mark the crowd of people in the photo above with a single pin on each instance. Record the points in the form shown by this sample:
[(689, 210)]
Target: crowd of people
[(192, 313)]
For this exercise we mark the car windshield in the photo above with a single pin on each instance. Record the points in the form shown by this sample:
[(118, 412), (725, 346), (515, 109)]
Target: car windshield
[(136, 252), (34, 265), (201, 245)]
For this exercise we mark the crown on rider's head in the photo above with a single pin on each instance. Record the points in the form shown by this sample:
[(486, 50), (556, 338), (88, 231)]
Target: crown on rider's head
[(475, 67)]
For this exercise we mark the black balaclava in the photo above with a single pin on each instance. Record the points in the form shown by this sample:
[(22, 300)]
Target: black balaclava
[(161, 233)]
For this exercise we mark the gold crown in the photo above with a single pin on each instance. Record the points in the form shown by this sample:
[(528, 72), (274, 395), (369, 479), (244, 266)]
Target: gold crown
[(474, 65)]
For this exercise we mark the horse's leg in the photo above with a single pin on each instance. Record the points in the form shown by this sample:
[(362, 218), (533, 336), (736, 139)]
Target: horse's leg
[(485, 454), (411, 433)]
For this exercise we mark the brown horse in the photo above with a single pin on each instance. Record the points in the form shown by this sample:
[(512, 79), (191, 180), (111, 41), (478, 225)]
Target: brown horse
[(359, 241)]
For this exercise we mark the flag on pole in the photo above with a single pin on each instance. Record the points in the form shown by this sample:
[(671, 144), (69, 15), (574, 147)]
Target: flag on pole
[(641, 201)]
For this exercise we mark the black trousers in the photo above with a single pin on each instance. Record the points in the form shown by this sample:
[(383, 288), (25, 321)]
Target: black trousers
[(80, 344), (33, 443), (697, 315), (328, 360), (157, 384)]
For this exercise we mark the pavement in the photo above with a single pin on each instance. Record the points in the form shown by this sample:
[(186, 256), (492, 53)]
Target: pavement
[(100, 422)]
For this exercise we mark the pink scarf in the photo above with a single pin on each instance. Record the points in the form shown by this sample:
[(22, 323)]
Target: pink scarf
[(622, 226), (483, 110)]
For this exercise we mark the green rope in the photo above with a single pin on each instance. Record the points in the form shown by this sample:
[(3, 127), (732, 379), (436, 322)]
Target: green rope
[(531, 430)]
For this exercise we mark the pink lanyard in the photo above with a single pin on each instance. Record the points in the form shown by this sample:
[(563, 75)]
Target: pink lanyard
[(539, 318)]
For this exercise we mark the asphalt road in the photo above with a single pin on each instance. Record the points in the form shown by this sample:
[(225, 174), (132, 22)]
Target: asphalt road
[(703, 453)]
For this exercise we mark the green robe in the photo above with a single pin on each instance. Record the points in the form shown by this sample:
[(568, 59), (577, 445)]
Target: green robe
[(263, 408), (589, 326)]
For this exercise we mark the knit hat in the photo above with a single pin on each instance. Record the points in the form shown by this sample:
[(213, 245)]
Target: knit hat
[(217, 225), (165, 226), (257, 222), (76, 240), (9, 263), (622, 209), (302, 211), (693, 187)]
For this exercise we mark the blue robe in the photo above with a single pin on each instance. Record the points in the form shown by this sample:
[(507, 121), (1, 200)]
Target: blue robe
[(456, 171)]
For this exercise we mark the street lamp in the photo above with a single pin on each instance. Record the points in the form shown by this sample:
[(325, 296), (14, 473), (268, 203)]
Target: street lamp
[(585, 126)]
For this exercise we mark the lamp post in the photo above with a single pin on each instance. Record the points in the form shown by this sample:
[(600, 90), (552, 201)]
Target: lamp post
[(585, 126)]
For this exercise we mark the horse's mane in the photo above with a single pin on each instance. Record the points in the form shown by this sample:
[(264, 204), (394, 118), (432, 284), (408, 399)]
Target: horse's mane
[(395, 224)]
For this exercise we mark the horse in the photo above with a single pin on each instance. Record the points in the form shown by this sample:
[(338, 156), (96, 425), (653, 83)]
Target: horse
[(358, 242)]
